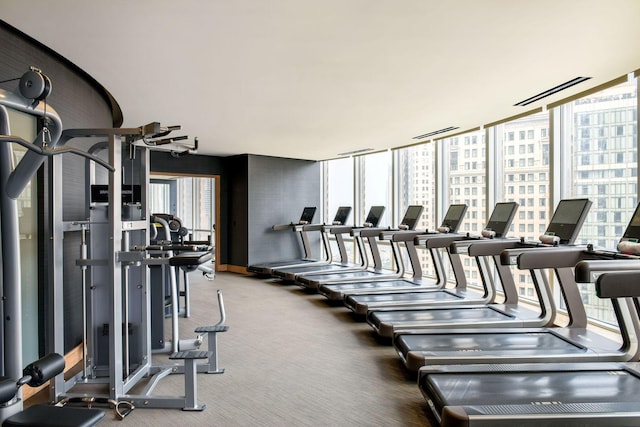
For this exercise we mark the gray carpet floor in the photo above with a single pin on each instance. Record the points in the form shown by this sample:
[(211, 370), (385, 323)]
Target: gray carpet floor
[(290, 359)]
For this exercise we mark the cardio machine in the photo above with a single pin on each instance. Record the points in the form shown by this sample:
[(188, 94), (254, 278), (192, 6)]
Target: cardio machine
[(497, 228), (376, 272), (542, 394), (302, 227), (573, 342), (339, 230), (337, 291), (304, 278), (561, 231)]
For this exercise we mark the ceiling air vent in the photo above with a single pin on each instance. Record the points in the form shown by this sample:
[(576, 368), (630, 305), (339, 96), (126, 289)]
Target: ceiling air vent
[(551, 91), (435, 132), (351, 153)]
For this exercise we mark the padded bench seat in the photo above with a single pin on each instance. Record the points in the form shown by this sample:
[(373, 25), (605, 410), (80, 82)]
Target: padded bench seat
[(190, 258), (55, 416)]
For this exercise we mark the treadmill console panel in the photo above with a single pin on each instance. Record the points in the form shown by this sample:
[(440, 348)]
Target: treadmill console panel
[(501, 218), (453, 218), (342, 215), (307, 215), (567, 220), (374, 216), (411, 217)]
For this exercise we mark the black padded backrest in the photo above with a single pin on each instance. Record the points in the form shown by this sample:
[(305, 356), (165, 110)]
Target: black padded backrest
[(342, 215), (567, 219), (453, 217), (374, 216), (307, 215), (411, 216), (501, 218)]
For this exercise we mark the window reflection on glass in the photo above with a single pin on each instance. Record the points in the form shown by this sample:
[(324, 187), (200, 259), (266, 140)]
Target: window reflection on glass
[(24, 126)]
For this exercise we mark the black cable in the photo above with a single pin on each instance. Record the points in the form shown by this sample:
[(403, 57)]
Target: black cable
[(10, 80)]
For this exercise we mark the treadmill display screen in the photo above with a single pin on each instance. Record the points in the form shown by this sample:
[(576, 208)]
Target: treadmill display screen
[(567, 219), (633, 229), (375, 214), (411, 216), (342, 215), (453, 217), (501, 218), (307, 215)]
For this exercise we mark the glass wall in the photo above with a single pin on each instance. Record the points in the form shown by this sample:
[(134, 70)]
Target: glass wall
[(589, 150), (465, 183), (339, 188), (374, 185), (24, 125), (416, 185), (599, 133), (374, 181), (525, 148)]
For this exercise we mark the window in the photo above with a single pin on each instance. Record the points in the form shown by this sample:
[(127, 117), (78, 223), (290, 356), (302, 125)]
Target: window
[(597, 172)]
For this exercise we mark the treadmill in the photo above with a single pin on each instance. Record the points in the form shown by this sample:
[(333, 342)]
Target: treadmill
[(302, 227), (562, 231), (377, 272), (542, 394), (337, 291), (289, 274), (574, 342), (497, 228)]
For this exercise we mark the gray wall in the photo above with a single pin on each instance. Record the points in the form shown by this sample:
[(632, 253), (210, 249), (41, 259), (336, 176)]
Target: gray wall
[(256, 193), (278, 189)]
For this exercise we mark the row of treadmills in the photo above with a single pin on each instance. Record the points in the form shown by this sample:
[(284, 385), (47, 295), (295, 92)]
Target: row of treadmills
[(482, 356)]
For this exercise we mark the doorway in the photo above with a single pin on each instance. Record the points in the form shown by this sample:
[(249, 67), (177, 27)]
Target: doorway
[(195, 199)]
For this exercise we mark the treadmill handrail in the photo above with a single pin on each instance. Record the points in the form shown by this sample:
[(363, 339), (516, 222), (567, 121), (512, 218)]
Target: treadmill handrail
[(510, 256), (551, 258), (368, 232), (311, 227), (338, 229), (491, 247), (619, 284), (585, 269), (443, 241), (401, 235)]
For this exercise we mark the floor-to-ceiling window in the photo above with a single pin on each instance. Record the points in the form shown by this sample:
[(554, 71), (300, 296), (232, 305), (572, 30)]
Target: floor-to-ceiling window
[(599, 136), (338, 191), (465, 183), (524, 144), (416, 185), (374, 182), (584, 147)]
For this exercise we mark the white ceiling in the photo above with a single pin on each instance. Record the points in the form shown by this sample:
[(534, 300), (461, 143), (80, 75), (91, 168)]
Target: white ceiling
[(312, 79)]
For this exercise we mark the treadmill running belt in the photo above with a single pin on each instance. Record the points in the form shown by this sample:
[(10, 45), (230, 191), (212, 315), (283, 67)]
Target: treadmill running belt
[(478, 342), (437, 315), (531, 388)]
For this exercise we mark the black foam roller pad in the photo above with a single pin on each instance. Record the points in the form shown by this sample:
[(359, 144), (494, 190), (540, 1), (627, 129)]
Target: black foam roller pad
[(43, 369), (7, 389)]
